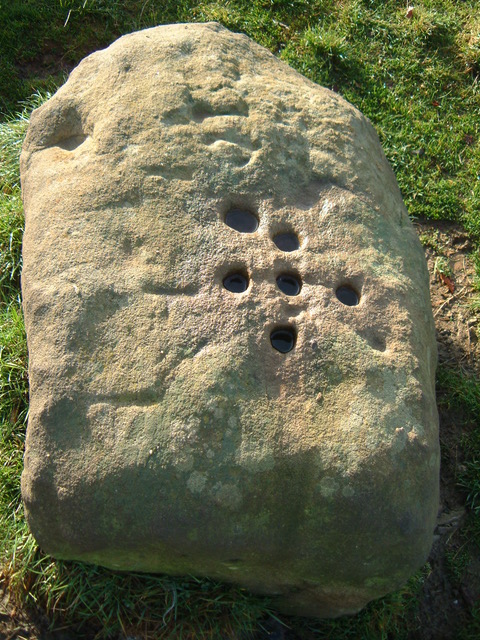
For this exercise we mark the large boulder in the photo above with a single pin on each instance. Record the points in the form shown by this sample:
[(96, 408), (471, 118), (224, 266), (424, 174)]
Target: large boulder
[(232, 351)]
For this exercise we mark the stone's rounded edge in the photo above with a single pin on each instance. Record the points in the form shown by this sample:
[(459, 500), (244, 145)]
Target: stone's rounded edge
[(320, 600), (37, 488), (174, 26), (305, 599), (324, 601)]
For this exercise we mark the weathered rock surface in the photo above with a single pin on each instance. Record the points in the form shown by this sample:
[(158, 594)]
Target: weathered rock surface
[(167, 432)]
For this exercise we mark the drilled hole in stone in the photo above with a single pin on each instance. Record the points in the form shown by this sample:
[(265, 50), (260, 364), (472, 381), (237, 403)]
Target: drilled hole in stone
[(241, 220), (289, 284), (347, 295), (283, 339), (287, 241), (236, 282)]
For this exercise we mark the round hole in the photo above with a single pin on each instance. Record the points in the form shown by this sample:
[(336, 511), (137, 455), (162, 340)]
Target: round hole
[(287, 241), (347, 296), (283, 340), (242, 221), (236, 283), (289, 284)]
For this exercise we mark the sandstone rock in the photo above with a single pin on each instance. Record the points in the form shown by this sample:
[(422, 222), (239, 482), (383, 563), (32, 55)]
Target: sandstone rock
[(232, 351)]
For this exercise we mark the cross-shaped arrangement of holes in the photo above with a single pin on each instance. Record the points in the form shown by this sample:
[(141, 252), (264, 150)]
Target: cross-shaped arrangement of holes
[(282, 339)]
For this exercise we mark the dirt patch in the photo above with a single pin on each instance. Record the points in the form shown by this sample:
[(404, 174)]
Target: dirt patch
[(48, 63), (18, 623), (452, 273), (452, 586)]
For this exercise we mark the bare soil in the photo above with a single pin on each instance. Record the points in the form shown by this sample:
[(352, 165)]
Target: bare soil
[(448, 245), (452, 586)]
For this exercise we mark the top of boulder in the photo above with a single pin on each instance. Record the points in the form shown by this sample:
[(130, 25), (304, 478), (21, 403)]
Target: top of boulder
[(251, 107)]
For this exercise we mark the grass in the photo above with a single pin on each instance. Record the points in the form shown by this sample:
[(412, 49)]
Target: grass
[(462, 393), (417, 78), (102, 603)]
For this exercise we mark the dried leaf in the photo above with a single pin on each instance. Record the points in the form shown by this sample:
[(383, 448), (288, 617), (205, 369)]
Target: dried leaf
[(446, 280)]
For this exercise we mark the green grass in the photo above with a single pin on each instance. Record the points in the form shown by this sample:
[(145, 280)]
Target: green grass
[(417, 79), (103, 603), (13, 351), (462, 393)]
